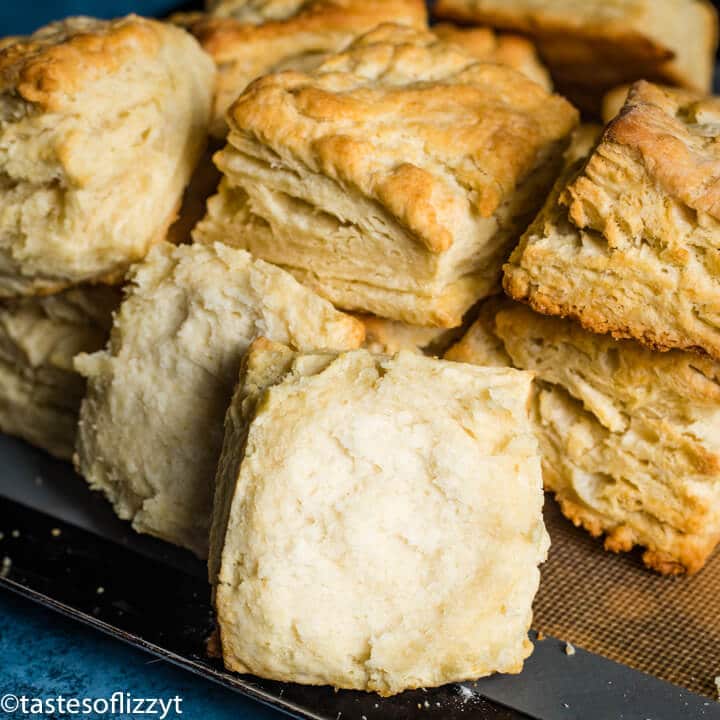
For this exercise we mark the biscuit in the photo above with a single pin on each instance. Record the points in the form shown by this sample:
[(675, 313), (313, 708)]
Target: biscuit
[(247, 40), (487, 46), (151, 423), (614, 99), (391, 538), (394, 179), (626, 242), (628, 436), (387, 337), (40, 393), (591, 46), (101, 125)]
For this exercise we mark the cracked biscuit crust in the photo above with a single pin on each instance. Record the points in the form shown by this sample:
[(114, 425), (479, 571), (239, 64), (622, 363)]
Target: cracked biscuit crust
[(388, 536), (627, 241), (101, 125), (151, 423), (394, 177), (629, 436), (248, 42)]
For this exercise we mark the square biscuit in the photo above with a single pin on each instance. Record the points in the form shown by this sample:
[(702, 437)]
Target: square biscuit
[(378, 521), (101, 125), (393, 179), (627, 241), (247, 40), (151, 423), (630, 438), (40, 392), (591, 46)]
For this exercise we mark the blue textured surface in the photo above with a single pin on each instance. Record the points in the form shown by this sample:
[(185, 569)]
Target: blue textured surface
[(17, 18), (43, 654)]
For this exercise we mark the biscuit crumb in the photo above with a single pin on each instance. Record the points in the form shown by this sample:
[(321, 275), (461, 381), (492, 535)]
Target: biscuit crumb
[(466, 693), (56, 532), (540, 636), (569, 649)]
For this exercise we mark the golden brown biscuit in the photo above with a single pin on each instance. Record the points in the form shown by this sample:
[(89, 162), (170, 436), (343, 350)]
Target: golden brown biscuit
[(626, 243), (151, 423), (393, 179), (248, 40), (488, 46), (40, 393), (628, 436), (592, 46), (414, 479), (101, 125)]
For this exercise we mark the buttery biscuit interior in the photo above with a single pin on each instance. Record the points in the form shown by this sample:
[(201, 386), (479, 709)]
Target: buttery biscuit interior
[(629, 436), (377, 520), (151, 423), (394, 179)]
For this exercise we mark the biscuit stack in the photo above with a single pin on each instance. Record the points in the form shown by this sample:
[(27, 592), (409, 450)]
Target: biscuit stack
[(101, 125), (372, 517), (624, 246)]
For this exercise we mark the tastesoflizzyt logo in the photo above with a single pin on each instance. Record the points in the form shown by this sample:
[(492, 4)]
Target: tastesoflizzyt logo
[(119, 703)]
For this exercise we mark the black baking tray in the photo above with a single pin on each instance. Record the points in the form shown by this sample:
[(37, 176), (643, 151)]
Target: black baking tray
[(62, 543)]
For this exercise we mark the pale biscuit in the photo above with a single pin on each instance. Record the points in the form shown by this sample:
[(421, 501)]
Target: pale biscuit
[(377, 522), (151, 424), (101, 125), (592, 46), (40, 392), (394, 179), (247, 40), (630, 438)]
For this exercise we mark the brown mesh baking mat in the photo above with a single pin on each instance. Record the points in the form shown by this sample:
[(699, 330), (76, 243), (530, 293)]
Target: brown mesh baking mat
[(611, 605)]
